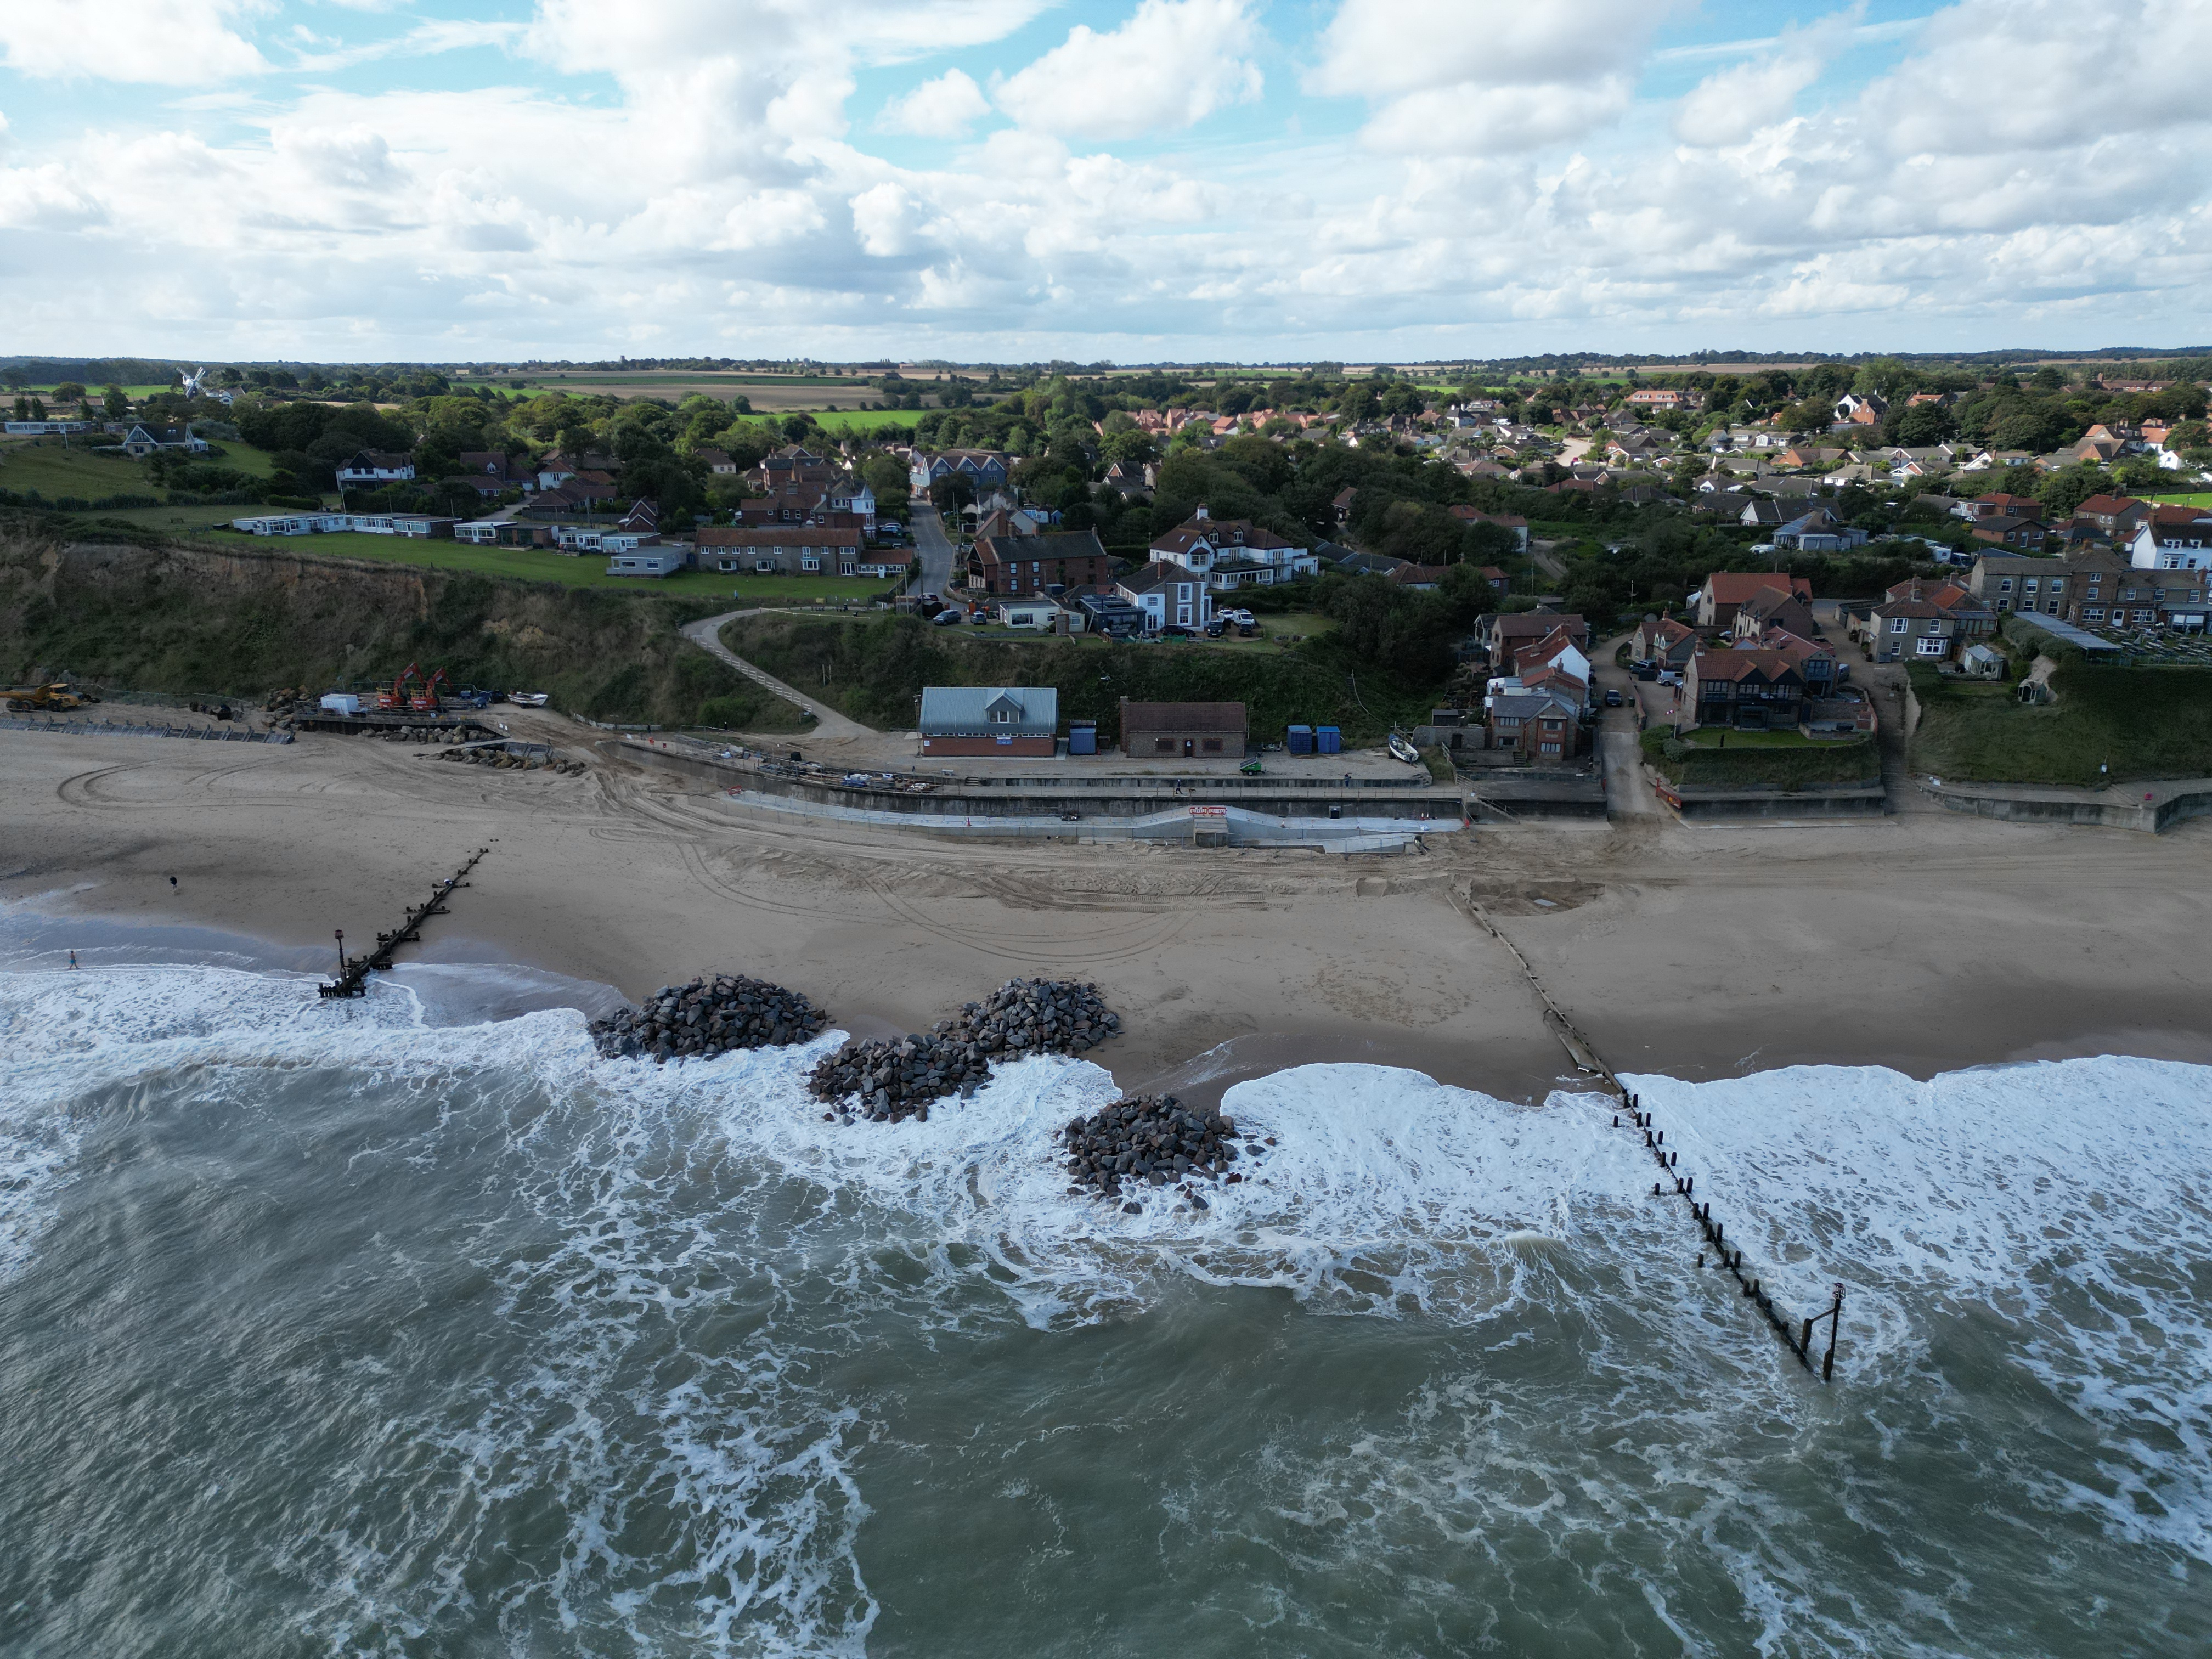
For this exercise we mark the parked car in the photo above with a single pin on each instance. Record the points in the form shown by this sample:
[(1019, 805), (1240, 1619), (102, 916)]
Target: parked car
[(945, 618), (1613, 698), (1216, 629), (1245, 630), (1241, 618), (1177, 631)]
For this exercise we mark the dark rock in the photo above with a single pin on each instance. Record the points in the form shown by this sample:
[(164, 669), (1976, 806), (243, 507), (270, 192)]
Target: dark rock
[(710, 1018)]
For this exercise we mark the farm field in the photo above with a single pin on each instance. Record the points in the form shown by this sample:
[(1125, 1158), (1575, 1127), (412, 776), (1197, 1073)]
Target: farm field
[(768, 394)]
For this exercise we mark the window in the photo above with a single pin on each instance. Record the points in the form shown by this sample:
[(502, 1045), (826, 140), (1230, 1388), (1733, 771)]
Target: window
[(2095, 614), (2004, 585), (1931, 645), (2031, 585), (1897, 625), (1210, 745), (810, 562), (1164, 745)]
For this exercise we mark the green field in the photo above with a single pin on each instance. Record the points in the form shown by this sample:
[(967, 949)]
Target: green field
[(570, 570), (864, 420), (46, 390), (2142, 723), (2189, 498)]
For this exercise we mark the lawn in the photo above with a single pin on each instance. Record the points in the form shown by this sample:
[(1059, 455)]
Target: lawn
[(865, 419), (2142, 723), (2191, 498), (571, 570), (1751, 760), (46, 389)]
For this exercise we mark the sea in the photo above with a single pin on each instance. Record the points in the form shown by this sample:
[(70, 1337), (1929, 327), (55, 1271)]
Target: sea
[(408, 1326)]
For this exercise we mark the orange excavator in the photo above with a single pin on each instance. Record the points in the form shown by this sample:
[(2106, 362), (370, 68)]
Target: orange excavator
[(419, 697)]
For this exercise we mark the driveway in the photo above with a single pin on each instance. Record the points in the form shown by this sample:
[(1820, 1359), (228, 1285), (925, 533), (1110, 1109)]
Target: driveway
[(935, 549), (830, 726)]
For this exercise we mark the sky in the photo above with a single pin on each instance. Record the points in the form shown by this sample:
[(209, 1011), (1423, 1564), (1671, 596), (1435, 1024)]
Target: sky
[(1138, 181)]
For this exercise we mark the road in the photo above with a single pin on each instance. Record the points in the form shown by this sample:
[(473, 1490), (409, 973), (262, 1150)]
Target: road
[(830, 726), (935, 548), (1628, 792)]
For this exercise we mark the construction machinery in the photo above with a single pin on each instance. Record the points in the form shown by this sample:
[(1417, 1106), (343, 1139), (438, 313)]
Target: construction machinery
[(53, 698), (411, 692)]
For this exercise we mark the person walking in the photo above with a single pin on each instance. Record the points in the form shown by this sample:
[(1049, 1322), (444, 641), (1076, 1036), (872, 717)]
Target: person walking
[(72, 959)]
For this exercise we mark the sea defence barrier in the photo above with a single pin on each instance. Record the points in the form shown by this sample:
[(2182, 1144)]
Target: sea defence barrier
[(1378, 814), (1796, 1333), (128, 729), (2148, 808), (353, 971)]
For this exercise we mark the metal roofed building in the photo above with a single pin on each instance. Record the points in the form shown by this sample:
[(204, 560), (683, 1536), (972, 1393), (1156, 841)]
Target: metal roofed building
[(989, 719), (2066, 633)]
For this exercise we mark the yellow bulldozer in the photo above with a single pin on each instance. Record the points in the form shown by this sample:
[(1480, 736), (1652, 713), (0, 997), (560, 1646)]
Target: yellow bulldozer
[(44, 699)]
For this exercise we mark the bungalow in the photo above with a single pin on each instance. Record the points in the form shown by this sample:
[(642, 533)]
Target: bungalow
[(142, 441), (1004, 721), (1012, 565), (647, 561), (716, 461), (1753, 690), (1725, 591), (1818, 532), (777, 550), (1168, 595), (371, 467)]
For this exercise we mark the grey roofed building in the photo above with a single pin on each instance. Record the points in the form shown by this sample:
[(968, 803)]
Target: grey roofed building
[(990, 711)]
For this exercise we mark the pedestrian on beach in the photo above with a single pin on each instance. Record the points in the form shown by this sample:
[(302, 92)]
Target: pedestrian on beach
[(72, 959), (172, 881)]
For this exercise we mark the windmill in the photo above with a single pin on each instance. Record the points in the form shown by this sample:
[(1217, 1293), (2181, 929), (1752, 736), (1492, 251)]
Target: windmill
[(193, 384)]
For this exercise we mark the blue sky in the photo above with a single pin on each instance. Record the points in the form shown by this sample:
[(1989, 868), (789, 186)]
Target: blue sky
[(1139, 180)]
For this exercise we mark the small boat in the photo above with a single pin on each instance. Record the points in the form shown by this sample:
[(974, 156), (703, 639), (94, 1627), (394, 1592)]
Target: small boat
[(527, 699), (1401, 748)]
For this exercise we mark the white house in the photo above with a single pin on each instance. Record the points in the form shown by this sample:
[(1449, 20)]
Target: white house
[(45, 428), (1232, 553), (370, 468), (140, 441), (1040, 613), (851, 493), (1167, 595), (2173, 539)]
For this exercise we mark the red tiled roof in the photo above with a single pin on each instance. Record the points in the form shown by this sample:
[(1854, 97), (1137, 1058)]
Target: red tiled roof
[(1739, 587)]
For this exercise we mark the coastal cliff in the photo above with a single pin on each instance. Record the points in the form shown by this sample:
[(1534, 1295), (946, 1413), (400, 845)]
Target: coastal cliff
[(149, 614)]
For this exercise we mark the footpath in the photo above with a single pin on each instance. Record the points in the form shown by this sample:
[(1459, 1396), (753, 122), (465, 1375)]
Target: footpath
[(830, 726)]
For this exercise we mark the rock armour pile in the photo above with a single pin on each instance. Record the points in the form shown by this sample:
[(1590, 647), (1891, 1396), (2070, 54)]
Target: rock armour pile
[(1148, 1140), (709, 1017), (896, 1079)]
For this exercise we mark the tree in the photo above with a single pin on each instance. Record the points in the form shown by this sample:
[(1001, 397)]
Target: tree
[(117, 404), (1919, 426), (68, 391)]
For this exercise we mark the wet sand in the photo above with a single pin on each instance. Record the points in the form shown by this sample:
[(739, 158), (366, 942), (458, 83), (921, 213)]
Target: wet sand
[(1925, 942)]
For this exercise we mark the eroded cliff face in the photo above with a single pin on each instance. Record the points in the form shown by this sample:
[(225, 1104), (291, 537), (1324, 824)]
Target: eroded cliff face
[(183, 618)]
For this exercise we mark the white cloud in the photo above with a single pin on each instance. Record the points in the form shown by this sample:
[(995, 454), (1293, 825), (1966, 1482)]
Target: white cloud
[(167, 42), (943, 108), (720, 200), (1172, 65), (1726, 108), (1486, 75), (423, 40)]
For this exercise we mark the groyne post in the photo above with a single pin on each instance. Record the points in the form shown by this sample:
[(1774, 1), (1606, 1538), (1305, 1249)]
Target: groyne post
[(354, 972)]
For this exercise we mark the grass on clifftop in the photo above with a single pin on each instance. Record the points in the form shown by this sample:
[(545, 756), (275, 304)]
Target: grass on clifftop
[(2144, 723), (1760, 760), (874, 670)]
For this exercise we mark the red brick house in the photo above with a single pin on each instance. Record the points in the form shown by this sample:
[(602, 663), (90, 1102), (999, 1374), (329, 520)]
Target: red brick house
[(1007, 566), (1753, 690), (1725, 591)]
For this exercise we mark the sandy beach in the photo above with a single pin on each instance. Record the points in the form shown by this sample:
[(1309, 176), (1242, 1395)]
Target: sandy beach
[(1925, 942)]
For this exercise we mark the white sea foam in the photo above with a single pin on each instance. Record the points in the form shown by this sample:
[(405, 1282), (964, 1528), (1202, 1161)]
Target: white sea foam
[(2070, 1201)]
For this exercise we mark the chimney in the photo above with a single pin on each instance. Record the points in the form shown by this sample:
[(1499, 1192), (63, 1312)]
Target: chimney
[(1202, 513)]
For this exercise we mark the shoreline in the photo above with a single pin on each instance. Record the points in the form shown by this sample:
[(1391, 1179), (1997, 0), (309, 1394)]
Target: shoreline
[(1925, 943)]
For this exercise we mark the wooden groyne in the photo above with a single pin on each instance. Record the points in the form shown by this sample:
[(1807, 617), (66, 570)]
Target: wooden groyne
[(353, 971), (1797, 1335)]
